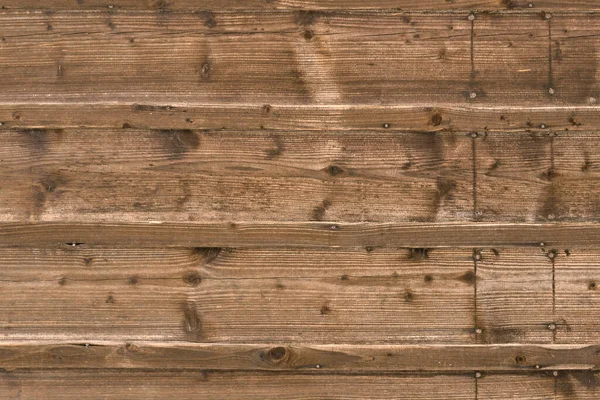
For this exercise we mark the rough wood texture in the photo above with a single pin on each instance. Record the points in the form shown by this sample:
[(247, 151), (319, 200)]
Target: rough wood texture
[(299, 199), (329, 359), (538, 177), (319, 234), (126, 385), (184, 175), (364, 296), (222, 5), (266, 67)]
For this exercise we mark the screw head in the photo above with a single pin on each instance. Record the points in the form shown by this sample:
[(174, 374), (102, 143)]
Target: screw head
[(471, 17)]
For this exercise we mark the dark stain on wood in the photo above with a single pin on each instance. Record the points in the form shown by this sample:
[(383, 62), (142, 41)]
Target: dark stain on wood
[(192, 324), (319, 211), (177, 142)]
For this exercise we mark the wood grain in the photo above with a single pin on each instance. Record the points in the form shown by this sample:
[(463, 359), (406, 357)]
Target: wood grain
[(319, 234), (538, 177), (409, 5), (317, 359), (147, 60), (184, 175), (342, 64), (124, 385), (577, 299), (515, 295), (398, 296), (454, 118)]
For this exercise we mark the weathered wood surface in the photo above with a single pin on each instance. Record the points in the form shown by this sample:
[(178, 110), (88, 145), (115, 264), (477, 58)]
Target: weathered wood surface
[(213, 295), (282, 234), (354, 176), (299, 199), (123, 384), (455, 118), (538, 177), (199, 70), (339, 359), (183, 175), (224, 5), (119, 384)]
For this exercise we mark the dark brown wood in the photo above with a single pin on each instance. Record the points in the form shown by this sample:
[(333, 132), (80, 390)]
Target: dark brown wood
[(190, 5), (322, 359), (463, 118), (320, 234)]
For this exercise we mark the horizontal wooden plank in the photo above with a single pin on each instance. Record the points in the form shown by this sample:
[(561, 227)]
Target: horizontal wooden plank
[(538, 177), (234, 58), (184, 175), (545, 295), (203, 62), (325, 359), (124, 385), (565, 385), (446, 117), (515, 297), (319, 234), (577, 300), (430, 5), (208, 295)]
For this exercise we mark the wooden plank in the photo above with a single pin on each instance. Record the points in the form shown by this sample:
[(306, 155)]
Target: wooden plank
[(522, 386), (565, 385), (123, 385), (115, 264), (454, 118), (577, 277), (423, 296), (574, 62), (185, 175), (320, 234), (322, 359), (281, 58), (538, 177), (508, 55), (208, 61), (432, 5), (515, 295)]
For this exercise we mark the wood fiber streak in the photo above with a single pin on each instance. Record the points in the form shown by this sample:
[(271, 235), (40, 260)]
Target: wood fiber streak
[(224, 5), (331, 359), (514, 295), (212, 295), (275, 235), (461, 118), (577, 274), (550, 177), (564, 386), (125, 385), (184, 175), (152, 61)]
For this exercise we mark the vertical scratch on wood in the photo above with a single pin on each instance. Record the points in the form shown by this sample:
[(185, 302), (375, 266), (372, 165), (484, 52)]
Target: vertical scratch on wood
[(550, 73)]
